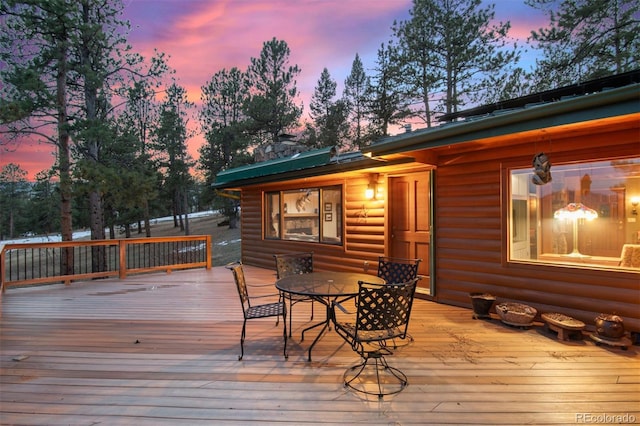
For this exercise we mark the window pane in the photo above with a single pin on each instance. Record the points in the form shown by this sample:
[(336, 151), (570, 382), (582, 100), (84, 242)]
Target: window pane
[(301, 212), (584, 216), (331, 215), (272, 215)]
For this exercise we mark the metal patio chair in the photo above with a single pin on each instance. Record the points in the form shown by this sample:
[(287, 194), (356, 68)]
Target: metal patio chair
[(249, 311), (382, 314), (397, 269), (294, 264)]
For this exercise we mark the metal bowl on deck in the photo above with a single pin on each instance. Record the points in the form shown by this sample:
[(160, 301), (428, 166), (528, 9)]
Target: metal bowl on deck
[(609, 326)]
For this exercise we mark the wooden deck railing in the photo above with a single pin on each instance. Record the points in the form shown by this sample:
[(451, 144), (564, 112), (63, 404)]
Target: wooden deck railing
[(39, 263)]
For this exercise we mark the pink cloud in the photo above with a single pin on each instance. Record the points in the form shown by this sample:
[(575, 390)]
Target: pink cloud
[(30, 155), (202, 37)]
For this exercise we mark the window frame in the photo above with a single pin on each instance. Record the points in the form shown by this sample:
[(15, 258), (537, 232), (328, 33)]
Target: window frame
[(317, 207), (591, 180)]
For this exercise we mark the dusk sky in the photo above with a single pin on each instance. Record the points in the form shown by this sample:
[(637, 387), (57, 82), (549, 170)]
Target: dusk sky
[(202, 37)]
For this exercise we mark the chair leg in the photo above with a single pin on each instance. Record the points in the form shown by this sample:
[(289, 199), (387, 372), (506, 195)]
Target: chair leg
[(284, 333), (242, 336), (290, 314)]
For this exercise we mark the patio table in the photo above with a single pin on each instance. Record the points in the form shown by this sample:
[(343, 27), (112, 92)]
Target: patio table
[(325, 287)]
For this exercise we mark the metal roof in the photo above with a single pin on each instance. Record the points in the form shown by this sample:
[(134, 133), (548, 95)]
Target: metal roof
[(311, 163), (583, 88)]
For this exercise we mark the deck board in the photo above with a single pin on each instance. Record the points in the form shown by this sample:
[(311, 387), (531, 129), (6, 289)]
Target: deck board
[(162, 350)]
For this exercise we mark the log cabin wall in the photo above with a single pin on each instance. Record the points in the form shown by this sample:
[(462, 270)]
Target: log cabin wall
[(471, 250), (363, 221)]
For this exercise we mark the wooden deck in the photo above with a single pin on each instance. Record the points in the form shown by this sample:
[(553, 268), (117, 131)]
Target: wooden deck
[(162, 349)]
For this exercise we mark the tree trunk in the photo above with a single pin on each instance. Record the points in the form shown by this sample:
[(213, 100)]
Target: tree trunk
[(96, 217), (66, 229), (178, 203), (186, 213), (147, 219), (96, 212), (11, 223)]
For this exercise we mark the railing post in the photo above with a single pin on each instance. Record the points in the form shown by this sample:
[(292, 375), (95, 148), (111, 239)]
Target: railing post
[(2, 270), (209, 252), (122, 245)]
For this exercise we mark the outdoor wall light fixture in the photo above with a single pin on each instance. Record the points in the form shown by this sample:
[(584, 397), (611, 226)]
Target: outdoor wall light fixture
[(371, 193), (575, 211), (634, 204)]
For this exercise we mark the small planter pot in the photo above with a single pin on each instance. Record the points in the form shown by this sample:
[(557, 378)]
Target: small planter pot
[(609, 326), (482, 303), (610, 331)]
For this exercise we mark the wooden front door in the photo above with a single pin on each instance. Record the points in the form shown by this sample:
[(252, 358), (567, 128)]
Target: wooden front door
[(410, 221)]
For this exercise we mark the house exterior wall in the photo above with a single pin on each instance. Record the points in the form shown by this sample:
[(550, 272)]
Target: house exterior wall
[(471, 219), (363, 221), (471, 233)]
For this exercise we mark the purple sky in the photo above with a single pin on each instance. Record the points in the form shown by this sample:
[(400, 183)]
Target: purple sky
[(202, 37)]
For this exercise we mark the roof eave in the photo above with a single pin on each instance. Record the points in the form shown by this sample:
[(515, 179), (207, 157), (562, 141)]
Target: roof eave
[(322, 170)]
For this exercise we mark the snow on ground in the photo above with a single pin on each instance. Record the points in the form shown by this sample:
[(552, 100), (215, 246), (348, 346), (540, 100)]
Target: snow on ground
[(54, 238)]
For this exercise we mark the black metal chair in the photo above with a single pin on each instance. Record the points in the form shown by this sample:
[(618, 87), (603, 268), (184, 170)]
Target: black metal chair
[(294, 264), (249, 311), (382, 314), (397, 269)]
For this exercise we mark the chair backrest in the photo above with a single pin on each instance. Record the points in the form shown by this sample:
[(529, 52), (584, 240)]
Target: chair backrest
[(241, 284), (630, 256), (293, 264), (397, 270), (383, 310)]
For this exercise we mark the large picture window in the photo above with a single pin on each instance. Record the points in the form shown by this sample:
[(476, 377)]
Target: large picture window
[(307, 214), (586, 215)]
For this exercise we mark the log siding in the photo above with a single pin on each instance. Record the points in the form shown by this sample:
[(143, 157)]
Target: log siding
[(471, 216)]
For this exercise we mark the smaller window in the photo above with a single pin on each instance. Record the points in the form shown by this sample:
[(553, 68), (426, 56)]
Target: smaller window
[(308, 214), (301, 217)]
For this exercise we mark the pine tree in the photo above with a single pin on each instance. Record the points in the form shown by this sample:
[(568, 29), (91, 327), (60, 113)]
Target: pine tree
[(328, 114), (171, 152), (35, 48), (44, 203), (63, 60), (356, 90), (135, 123), (387, 104), (14, 191), (448, 51), (271, 108), (223, 122), (586, 39)]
